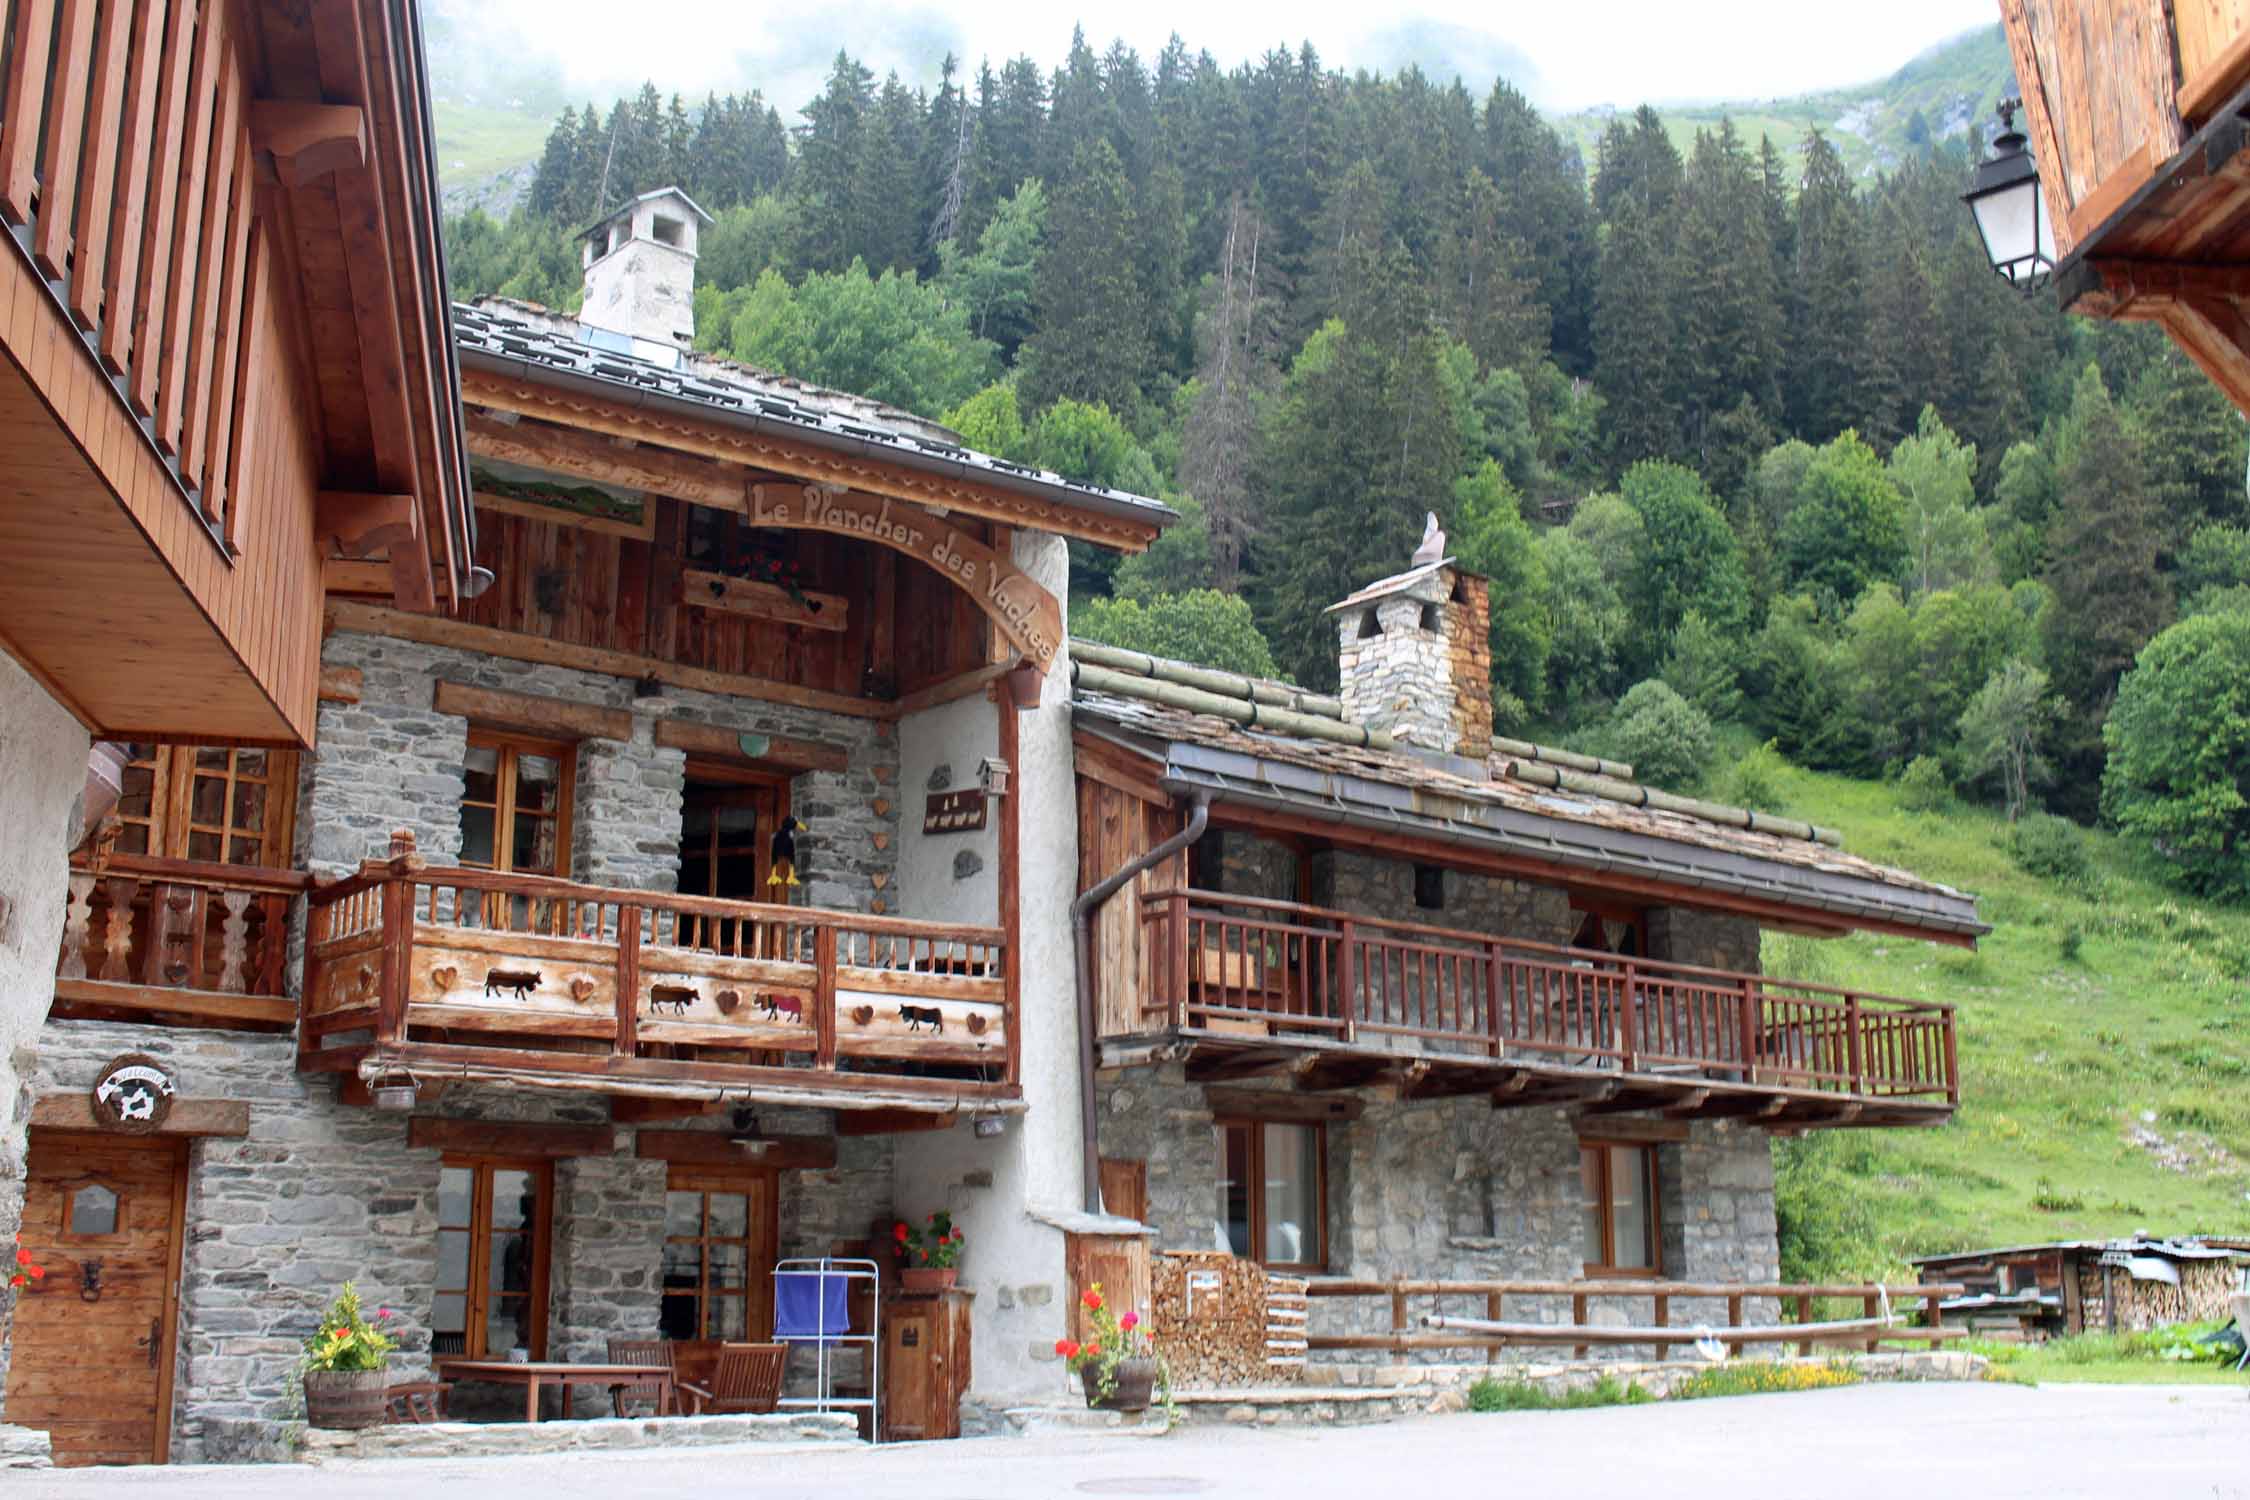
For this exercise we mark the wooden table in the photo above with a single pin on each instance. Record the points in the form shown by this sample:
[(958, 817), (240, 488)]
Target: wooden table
[(533, 1375)]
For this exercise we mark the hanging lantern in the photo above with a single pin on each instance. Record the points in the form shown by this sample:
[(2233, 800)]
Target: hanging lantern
[(2010, 212)]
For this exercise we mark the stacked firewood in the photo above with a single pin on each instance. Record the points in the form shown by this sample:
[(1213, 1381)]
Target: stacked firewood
[(1221, 1321)]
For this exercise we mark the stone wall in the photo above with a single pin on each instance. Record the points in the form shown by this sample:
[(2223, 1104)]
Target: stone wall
[(1366, 884), (392, 761), (1456, 1190), (1417, 661), (320, 1192), (42, 774)]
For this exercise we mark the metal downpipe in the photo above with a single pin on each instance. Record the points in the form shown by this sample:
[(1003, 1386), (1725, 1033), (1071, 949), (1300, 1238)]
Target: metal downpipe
[(1081, 929)]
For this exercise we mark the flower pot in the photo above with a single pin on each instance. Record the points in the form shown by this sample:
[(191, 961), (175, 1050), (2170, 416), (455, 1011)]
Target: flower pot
[(927, 1278), (1135, 1384), (345, 1398)]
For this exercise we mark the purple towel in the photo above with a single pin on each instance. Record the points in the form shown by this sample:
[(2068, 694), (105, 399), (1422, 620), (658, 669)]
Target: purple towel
[(810, 1307)]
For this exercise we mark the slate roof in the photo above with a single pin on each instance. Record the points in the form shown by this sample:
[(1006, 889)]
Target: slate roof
[(506, 336), (1442, 798)]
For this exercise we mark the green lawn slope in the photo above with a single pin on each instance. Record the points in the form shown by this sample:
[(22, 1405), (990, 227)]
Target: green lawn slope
[(2105, 1060)]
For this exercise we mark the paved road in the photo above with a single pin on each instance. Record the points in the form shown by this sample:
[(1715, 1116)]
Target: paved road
[(1931, 1442)]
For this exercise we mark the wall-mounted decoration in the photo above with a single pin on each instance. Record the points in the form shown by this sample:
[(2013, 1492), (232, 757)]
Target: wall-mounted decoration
[(133, 1094), (954, 812), (780, 602), (784, 852)]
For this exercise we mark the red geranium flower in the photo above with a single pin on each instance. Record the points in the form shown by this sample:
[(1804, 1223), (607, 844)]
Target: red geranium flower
[(1093, 1351), (1093, 1301), (900, 1233), (1130, 1320), (1066, 1349)]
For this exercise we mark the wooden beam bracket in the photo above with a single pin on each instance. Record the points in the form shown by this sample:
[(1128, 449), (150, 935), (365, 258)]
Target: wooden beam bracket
[(308, 141)]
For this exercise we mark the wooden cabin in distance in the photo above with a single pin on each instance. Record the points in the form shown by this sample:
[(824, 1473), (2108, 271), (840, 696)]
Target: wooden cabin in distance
[(2138, 113)]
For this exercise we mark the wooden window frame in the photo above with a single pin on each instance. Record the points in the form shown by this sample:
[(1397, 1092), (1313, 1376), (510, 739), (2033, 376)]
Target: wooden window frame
[(477, 1295), (761, 1246), (170, 821), (1635, 917), (70, 1232), (511, 748), (702, 861), (1255, 1166), (1653, 1185)]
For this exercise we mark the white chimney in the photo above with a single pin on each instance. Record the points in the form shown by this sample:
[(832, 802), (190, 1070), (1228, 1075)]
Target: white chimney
[(640, 276)]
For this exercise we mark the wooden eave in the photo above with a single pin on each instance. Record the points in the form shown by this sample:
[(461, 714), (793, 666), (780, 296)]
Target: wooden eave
[(359, 240), (665, 446)]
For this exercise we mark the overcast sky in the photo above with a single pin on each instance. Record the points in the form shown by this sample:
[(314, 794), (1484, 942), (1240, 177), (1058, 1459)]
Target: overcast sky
[(1565, 55)]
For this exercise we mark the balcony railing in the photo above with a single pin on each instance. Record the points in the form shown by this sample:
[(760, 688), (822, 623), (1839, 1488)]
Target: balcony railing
[(125, 161), (178, 939), (536, 973), (1232, 964)]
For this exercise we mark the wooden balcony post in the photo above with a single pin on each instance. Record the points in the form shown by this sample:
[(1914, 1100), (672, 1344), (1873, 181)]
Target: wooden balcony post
[(1495, 1045), (398, 954), (626, 1042), (1628, 1019), (1749, 1030), (1183, 937), (824, 996), (117, 926), (1347, 978), (1854, 1053), (1952, 1065)]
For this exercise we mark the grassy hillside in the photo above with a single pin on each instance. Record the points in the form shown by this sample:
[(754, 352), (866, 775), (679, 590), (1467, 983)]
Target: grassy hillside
[(2105, 1056), (1949, 87)]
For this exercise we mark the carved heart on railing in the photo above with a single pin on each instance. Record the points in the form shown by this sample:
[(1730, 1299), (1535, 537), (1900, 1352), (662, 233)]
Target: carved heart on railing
[(176, 971), (581, 988), (442, 977), (862, 1014), (977, 1024), (728, 1001), (366, 984)]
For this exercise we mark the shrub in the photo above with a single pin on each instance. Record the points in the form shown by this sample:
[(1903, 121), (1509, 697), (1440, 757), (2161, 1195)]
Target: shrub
[(2069, 941), (2043, 844), (1754, 781), (1667, 738), (1759, 1377), (2179, 752), (1489, 1395), (1923, 786), (2050, 1199)]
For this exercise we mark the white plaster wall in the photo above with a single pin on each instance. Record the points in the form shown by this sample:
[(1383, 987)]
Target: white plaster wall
[(1012, 1260), (958, 736), (42, 775)]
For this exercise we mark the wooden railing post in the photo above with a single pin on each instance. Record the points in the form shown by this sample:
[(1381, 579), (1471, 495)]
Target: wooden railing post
[(1804, 1315), (1492, 1304), (398, 953), (1734, 1310), (1497, 1043), (1952, 1065), (1347, 977), (1398, 1315), (1749, 1030), (1871, 1308), (824, 996), (627, 1041), (1628, 1030), (1184, 937), (1663, 1319), (1933, 1310), (1854, 1053), (1578, 1319)]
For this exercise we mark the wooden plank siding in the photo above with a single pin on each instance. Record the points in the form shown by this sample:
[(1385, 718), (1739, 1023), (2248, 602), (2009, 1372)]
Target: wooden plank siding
[(584, 587), (1114, 826)]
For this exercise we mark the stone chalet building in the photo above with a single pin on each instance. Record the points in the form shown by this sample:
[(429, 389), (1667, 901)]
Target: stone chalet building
[(693, 887)]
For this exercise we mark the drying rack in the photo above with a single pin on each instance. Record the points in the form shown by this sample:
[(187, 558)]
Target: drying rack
[(825, 1341)]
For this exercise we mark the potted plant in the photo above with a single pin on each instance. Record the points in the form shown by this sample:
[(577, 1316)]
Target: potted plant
[(347, 1365), (929, 1257), (1119, 1366)]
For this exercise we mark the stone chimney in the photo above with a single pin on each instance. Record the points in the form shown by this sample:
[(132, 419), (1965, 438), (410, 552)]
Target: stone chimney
[(640, 275), (1415, 657)]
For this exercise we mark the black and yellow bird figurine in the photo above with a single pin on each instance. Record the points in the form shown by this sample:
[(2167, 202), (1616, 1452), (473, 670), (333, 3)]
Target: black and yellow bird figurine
[(784, 870)]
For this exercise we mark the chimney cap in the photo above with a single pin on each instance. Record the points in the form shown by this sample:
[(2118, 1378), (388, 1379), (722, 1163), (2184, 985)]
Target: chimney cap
[(640, 198), (1383, 588)]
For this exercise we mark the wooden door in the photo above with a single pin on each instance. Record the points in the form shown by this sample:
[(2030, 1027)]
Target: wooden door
[(1125, 1187), (92, 1351)]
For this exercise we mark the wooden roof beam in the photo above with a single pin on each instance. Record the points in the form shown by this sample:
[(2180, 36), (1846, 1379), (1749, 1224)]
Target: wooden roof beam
[(308, 141), (626, 465)]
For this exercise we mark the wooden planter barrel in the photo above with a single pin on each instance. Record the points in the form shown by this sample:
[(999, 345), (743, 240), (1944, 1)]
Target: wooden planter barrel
[(345, 1399), (1135, 1385), (927, 1278)]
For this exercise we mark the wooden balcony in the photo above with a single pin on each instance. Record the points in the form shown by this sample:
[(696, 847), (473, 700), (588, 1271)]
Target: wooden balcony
[(1338, 1001), (441, 973), (178, 942)]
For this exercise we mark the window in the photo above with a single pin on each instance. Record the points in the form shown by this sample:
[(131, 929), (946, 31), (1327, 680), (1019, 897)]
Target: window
[(667, 231), (208, 802), (727, 824), (515, 804), (1619, 1212), (92, 1211), (1429, 887), (719, 1232), (1273, 1192), (491, 1292), (1604, 927), (1432, 623)]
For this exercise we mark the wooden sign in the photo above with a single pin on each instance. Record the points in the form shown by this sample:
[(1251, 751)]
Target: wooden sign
[(765, 601), (1026, 613), (133, 1094), (954, 812)]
